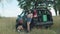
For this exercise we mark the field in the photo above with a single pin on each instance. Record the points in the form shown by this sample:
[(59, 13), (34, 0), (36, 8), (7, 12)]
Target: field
[(7, 26)]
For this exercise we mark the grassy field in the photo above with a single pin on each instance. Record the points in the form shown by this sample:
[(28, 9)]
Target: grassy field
[(7, 26)]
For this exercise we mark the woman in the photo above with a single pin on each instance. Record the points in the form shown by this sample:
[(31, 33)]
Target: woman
[(29, 18), (20, 25)]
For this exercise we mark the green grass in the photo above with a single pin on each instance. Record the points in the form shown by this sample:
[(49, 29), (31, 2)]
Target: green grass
[(7, 26)]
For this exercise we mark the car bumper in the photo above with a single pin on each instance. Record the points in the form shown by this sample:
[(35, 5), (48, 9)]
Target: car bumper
[(44, 23)]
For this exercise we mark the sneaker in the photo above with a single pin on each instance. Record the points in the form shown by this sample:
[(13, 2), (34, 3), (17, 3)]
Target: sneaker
[(18, 30)]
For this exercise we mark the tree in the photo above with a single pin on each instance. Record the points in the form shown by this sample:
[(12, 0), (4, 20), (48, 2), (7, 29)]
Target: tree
[(24, 4), (55, 4), (28, 4), (58, 5)]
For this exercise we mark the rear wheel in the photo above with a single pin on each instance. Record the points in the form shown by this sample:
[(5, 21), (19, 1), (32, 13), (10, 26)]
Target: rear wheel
[(48, 27)]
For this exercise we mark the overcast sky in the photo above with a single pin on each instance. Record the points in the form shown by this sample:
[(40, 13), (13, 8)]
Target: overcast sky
[(10, 8)]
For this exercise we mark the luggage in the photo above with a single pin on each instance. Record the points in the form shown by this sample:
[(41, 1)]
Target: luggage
[(44, 18)]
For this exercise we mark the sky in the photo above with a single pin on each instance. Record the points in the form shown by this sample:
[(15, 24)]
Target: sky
[(11, 8)]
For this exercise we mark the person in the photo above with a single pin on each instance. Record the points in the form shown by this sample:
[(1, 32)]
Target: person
[(29, 18), (35, 17), (20, 25), (35, 13)]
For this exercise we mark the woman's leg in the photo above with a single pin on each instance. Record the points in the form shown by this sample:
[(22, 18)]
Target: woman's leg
[(19, 27), (28, 26)]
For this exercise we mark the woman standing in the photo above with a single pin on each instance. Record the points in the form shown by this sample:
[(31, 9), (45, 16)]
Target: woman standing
[(29, 18)]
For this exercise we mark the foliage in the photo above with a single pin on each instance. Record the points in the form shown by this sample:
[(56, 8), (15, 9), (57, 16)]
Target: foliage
[(27, 4), (58, 5)]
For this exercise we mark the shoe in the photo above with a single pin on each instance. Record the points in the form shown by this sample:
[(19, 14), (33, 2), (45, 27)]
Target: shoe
[(27, 31), (18, 30)]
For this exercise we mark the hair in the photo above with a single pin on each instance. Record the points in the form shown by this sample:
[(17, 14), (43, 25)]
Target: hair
[(29, 11)]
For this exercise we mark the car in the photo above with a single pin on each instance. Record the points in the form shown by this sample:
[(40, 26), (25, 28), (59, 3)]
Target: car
[(44, 18)]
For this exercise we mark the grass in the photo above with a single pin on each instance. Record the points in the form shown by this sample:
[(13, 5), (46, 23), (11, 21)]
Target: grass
[(7, 26)]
